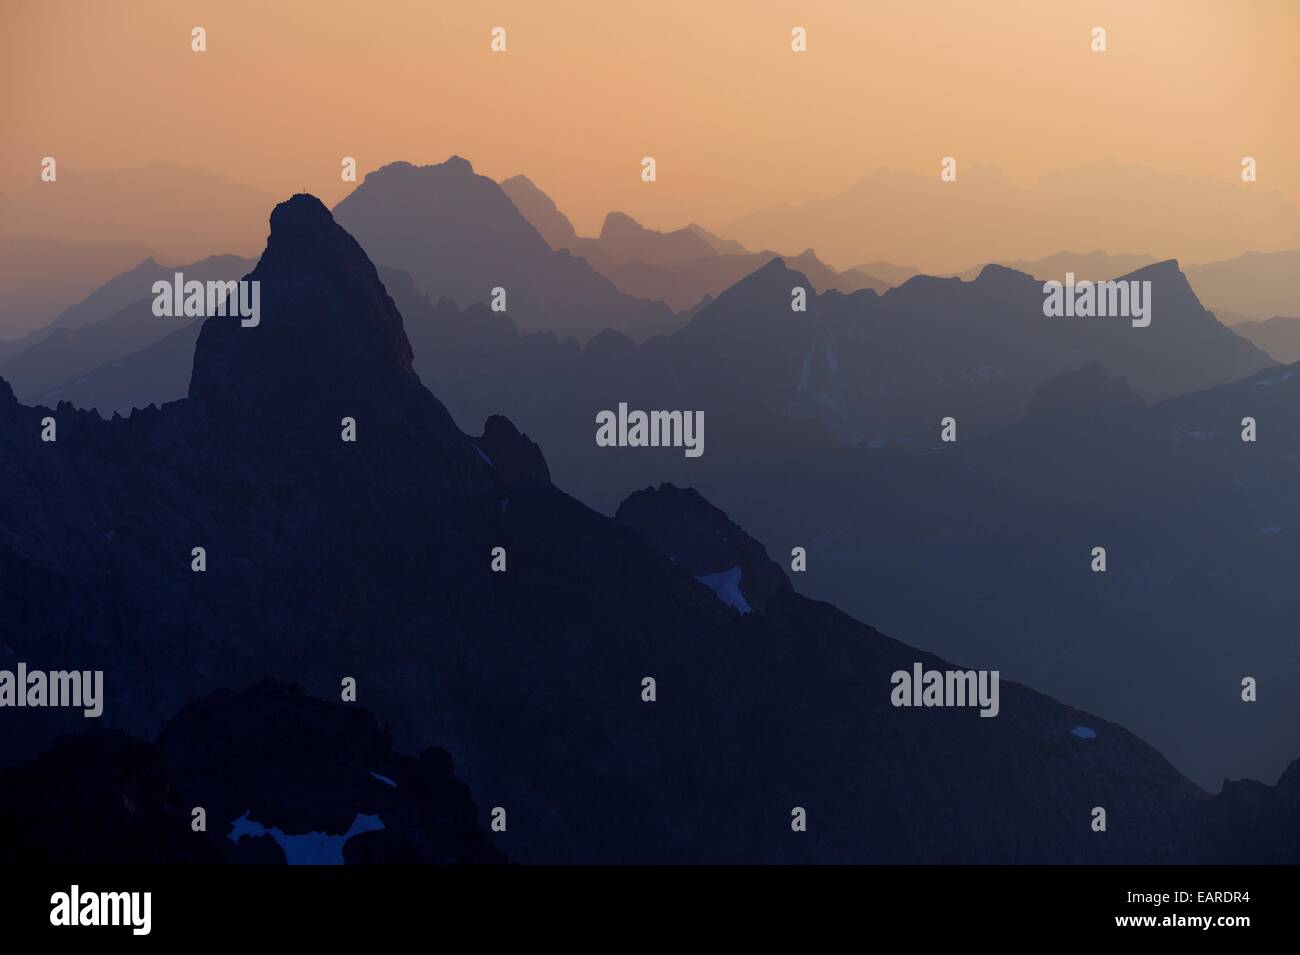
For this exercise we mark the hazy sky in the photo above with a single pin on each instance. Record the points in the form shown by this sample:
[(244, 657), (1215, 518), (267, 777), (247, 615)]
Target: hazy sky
[(711, 89)]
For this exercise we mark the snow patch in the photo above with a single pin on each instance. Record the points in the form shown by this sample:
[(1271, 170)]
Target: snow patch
[(727, 586), (310, 848), (1084, 732)]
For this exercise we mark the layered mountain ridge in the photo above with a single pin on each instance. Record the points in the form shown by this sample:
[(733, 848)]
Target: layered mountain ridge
[(329, 560)]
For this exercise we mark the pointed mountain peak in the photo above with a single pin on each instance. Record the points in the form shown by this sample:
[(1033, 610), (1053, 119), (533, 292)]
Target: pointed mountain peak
[(301, 211), (766, 291), (325, 326), (540, 211), (1169, 283), (775, 270), (1164, 270)]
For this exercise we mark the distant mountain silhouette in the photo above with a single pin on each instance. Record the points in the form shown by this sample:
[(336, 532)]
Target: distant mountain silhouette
[(622, 239), (98, 332), (718, 243), (41, 276), (156, 374), (854, 368), (1256, 285), (182, 213), (1279, 336), (1093, 266), (459, 235), (801, 407), (538, 208), (1199, 526), (887, 271), (1087, 206), (681, 268), (689, 283), (370, 560)]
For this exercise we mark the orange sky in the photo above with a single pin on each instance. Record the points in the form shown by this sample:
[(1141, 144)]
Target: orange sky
[(711, 89)]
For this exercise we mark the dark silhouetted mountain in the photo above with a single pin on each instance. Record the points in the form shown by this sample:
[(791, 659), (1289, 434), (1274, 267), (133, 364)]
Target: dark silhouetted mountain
[(268, 758), (97, 798), (539, 209), (329, 560), (95, 333), (460, 236), (1279, 336)]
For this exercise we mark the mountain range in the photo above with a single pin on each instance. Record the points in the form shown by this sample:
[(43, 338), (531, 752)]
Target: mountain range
[(329, 561), (459, 236), (941, 226), (802, 407), (685, 268), (41, 276), (806, 408), (114, 322)]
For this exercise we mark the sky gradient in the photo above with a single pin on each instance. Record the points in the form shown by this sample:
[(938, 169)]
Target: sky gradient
[(734, 118)]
